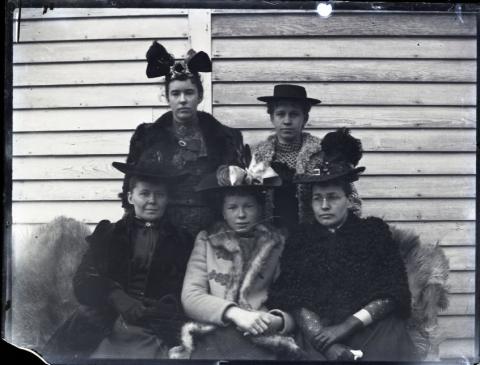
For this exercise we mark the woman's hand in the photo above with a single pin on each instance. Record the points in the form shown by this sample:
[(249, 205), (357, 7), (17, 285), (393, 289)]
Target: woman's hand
[(334, 334), (339, 352), (131, 309), (251, 322)]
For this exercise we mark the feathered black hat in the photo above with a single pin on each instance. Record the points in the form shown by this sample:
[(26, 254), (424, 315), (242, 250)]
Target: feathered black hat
[(341, 154), (161, 63)]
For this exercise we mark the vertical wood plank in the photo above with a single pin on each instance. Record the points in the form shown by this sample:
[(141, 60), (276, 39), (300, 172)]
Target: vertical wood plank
[(200, 38)]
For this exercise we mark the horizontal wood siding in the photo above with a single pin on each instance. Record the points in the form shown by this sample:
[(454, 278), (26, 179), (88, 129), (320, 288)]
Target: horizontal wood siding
[(392, 187), (405, 83)]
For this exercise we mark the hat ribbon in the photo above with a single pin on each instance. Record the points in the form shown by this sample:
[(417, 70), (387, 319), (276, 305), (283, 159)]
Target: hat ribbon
[(253, 175)]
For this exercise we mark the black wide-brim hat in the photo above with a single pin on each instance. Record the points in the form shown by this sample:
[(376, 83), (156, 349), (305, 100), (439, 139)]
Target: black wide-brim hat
[(131, 169), (330, 172), (289, 92), (151, 170), (152, 163)]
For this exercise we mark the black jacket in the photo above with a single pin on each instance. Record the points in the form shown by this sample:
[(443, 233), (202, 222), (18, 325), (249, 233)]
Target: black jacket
[(106, 264), (224, 144), (336, 274)]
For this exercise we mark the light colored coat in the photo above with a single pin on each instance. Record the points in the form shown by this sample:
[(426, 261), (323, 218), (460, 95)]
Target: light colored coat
[(218, 277)]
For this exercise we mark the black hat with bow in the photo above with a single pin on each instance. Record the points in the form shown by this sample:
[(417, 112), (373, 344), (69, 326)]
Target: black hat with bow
[(161, 63), (341, 154), (249, 174)]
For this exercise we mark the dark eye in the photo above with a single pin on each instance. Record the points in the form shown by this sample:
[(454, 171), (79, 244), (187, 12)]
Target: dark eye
[(334, 198)]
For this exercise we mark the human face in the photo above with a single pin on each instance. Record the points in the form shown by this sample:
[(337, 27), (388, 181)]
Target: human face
[(330, 205), (183, 98), (288, 119), (241, 212), (149, 200)]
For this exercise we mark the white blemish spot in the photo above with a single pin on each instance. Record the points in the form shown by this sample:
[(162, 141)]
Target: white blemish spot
[(324, 10)]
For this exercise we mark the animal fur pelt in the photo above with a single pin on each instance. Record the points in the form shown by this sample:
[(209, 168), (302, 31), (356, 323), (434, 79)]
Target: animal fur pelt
[(427, 271), (42, 293), (284, 346)]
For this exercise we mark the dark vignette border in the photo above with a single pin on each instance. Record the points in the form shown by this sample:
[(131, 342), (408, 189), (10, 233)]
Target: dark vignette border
[(11, 5), (7, 172)]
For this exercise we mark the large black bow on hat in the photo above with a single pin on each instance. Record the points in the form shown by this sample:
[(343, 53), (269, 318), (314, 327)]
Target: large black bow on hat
[(341, 154), (162, 63)]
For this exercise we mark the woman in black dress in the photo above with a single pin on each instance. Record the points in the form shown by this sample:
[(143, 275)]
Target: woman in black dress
[(188, 140), (342, 277)]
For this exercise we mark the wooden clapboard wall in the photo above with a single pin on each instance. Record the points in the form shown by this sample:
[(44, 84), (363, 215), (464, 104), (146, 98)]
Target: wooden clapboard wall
[(404, 83)]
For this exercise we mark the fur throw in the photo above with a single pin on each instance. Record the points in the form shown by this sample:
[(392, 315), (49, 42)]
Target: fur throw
[(42, 293), (427, 270), (244, 274)]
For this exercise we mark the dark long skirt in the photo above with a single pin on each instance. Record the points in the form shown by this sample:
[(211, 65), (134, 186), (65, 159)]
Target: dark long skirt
[(129, 341), (79, 335), (226, 343), (385, 340)]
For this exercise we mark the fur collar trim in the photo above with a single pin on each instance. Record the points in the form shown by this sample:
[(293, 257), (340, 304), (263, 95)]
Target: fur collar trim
[(306, 159), (265, 150), (267, 239)]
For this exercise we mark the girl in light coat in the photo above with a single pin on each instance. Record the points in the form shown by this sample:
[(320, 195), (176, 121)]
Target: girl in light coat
[(232, 266)]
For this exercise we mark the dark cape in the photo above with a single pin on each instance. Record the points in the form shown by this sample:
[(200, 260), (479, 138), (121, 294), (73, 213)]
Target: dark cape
[(106, 266), (336, 274), (224, 145)]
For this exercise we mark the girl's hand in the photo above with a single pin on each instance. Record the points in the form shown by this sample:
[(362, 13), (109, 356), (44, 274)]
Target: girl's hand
[(251, 322)]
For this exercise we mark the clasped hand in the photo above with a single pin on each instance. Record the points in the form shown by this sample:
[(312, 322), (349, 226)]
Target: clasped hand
[(134, 310), (253, 322)]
